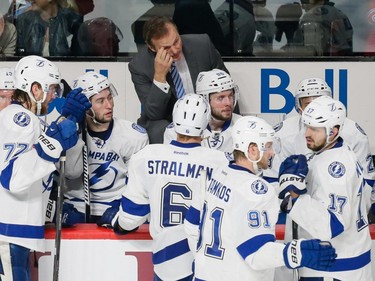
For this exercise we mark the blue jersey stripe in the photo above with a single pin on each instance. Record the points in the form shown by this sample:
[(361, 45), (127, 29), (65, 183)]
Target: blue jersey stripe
[(351, 263), (171, 252), (133, 208), (193, 216), (6, 174), (252, 245), (22, 231), (336, 226)]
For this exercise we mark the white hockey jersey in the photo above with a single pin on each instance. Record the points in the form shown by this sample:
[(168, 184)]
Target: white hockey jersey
[(108, 156), (163, 180), (219, 140), (25, 179), (292, 135), (333, 210), (237, 228)]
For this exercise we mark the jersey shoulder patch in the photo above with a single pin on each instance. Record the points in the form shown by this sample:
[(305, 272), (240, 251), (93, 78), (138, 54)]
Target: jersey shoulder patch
[(259, 187), (336, 169), (22, 119), (360, 129), (139, 128)]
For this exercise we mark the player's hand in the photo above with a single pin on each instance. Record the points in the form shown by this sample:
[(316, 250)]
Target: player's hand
[(59, 137), (71, 215), (109, 217), (314, 254), (292, 174), (76, 105), (162, 65)]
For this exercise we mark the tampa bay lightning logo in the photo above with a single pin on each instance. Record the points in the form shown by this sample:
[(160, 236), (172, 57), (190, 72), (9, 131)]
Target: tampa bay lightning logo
[(103, 176), (336, 169), (22, 119), (139, 128), (98, 142), (47, 184), (215, 141), (258, 187)]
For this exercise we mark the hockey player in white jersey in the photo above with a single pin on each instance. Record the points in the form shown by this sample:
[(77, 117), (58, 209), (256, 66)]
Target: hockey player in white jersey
[(222, 93), (327, 195), (237, 218), (292, 135), (111, 142), (163, 180), (6, 86), (27, 159)]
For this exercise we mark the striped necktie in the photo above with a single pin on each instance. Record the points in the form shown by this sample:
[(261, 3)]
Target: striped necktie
[(177, 81)]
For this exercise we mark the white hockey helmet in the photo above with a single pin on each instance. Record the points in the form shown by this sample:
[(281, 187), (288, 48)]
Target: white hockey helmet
[(32, 69), (325, 112), (7, 78), (191, 114), (214, 81), (252, 129), (311, 87), (92, 83)]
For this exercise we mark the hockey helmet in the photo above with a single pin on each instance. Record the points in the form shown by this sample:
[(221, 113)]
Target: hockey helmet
[(191, 114), (214, 81), (311, 87), (92, 83)]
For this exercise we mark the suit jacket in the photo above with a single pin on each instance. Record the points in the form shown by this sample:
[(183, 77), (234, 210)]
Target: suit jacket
[(200, 55)]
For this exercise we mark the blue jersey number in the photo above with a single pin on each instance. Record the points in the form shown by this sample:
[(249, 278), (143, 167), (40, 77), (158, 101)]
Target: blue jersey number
[(14, 149), (176, 198), (257, 219), (213, 249)]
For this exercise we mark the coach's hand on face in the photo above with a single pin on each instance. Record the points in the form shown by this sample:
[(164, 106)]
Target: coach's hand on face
[(162, 65)]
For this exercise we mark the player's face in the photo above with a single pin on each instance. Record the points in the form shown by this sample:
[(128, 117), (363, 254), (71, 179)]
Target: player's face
[(268, 153), (305, 102), (222, 104), (5, 98), (315, 138), (102, 104), (171, 42)]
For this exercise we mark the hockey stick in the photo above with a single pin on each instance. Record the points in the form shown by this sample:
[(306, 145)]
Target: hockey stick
[(86, 184), (59, 207)]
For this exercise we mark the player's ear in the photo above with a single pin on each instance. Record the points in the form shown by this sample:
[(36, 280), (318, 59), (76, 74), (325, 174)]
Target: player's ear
[(333, 133)]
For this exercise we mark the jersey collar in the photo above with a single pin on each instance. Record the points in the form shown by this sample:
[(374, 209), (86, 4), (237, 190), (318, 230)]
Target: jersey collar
[(234, 166), (184, 145)]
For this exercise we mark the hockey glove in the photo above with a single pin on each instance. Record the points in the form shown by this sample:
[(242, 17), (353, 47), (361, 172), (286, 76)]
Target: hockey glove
[(71, 215), (314, 254), (76, 105), (59, 137), (292, 174), (109, 217)]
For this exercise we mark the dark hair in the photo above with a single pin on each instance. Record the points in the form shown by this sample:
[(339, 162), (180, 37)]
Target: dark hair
[(156, 28), (22, 97)]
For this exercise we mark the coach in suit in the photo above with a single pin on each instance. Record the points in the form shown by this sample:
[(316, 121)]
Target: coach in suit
[(151, 71)]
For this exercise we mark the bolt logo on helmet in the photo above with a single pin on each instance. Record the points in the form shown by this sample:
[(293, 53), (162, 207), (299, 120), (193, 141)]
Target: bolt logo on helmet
[(191, 114), (311, 87), (325, 112), (214, 81), (251, 129), (93, 83), (32, 69)]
